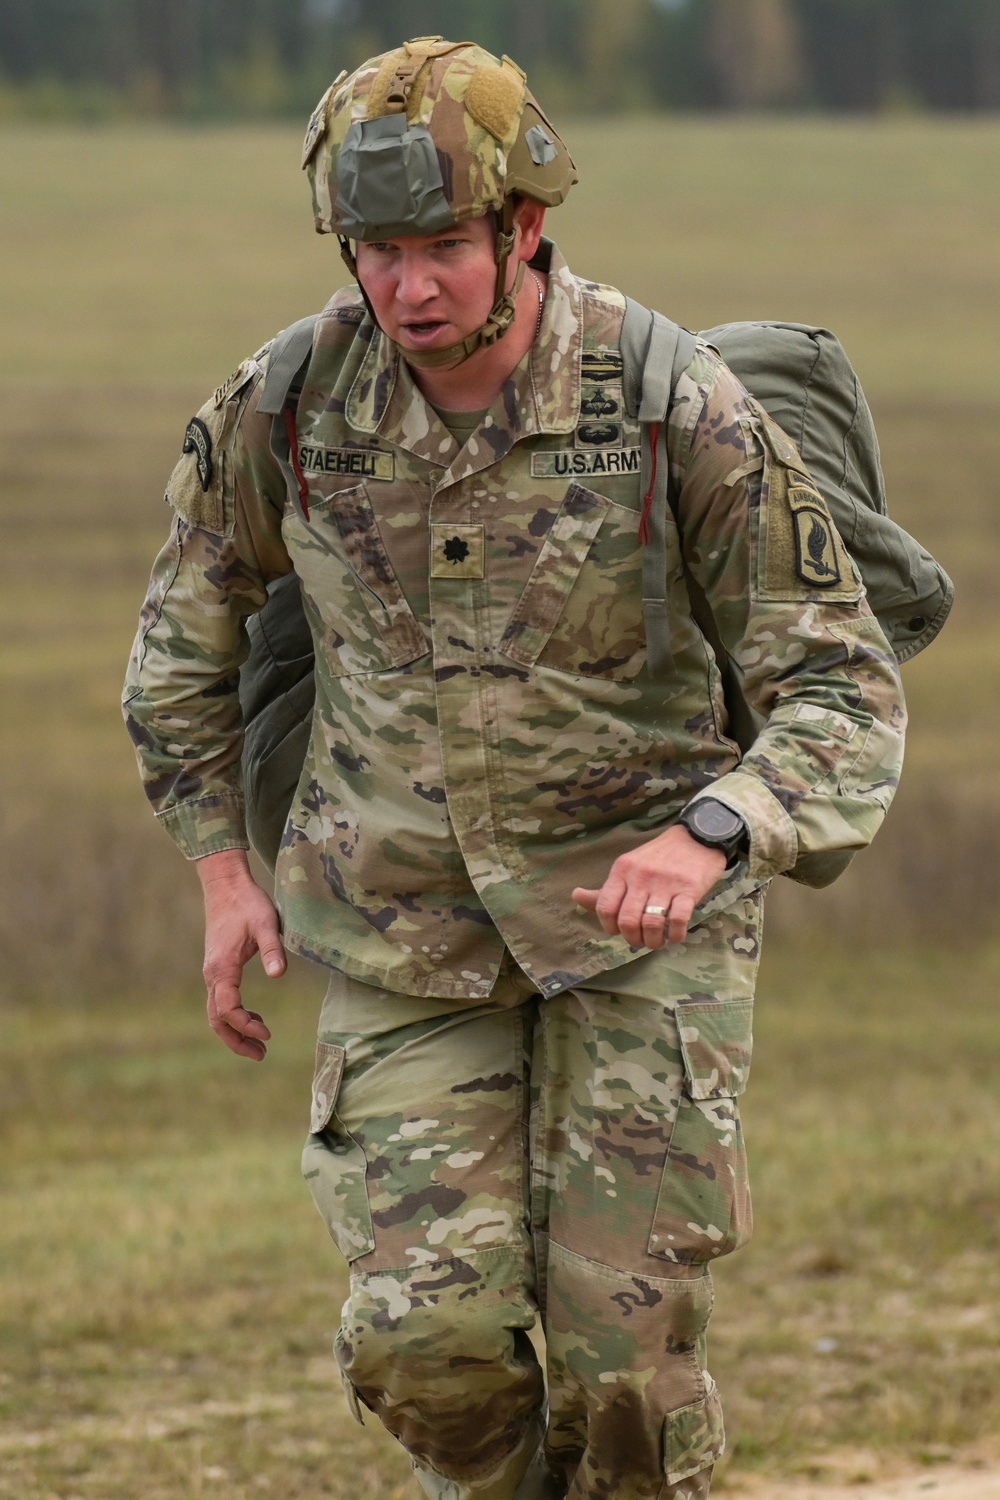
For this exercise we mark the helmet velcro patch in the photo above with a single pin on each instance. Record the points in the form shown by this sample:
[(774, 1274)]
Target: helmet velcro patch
[(494, 99), (316, 129)]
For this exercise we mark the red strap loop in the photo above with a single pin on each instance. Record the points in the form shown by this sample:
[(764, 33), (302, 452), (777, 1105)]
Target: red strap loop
[(645, 536), (293, 454)]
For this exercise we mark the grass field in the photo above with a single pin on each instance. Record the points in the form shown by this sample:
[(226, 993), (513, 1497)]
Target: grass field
[(167, 1291)]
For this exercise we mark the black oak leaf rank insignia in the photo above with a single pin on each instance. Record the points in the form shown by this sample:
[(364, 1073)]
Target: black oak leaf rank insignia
[(458, 550)]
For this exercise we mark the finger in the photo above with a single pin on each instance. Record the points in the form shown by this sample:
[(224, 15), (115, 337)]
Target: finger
[(599, 901), (243, 1046), (272, 955), (242, 1030), (632, 918), (239, 1041), (609, 901), (267, 938), (654, 922), (245, 1022), (681, 909)]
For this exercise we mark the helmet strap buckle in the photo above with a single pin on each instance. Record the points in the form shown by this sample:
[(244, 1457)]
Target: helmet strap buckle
[(505, 246)]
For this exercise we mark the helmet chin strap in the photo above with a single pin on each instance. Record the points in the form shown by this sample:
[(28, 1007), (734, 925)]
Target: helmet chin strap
[(496, 325)]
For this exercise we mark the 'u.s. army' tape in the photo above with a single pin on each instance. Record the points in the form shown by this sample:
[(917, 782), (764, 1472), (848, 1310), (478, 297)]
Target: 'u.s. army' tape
[(567, 463)]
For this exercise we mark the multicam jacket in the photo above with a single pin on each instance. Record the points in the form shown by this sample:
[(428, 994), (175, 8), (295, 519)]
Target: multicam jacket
[(486, 736)]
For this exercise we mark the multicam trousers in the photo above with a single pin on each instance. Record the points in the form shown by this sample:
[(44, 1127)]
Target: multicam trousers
[(577, 1159)]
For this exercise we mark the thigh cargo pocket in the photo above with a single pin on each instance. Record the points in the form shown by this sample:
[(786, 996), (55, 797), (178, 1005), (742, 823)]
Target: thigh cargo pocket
[(333, 1163), (693, 1438), (703, 1207)]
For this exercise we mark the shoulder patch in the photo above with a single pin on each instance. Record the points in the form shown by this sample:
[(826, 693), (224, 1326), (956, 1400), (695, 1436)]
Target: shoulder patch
[(818, 559), (197, 488), (198, 440), (194, 489), (800, 550)]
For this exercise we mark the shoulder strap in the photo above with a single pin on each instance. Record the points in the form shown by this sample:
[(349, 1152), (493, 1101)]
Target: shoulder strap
[(655, 353), (289, 355), (289, 351)]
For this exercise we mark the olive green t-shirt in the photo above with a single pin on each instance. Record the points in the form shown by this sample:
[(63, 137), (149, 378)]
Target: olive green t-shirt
[(461, 424)]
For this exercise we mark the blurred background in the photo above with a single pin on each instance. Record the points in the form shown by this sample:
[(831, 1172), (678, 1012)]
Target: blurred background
[(206, 59), (168, 1293)]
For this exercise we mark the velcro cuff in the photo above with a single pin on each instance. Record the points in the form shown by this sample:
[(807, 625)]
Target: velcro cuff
[(774, 844)]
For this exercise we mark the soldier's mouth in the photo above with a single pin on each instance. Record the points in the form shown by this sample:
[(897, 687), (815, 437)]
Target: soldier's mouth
[(422, 332)]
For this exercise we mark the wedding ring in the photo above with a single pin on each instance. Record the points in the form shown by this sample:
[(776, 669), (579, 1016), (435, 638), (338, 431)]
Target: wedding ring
[(654, 911)]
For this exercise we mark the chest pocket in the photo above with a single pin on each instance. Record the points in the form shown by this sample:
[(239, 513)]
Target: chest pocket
[(354, 601), (581, 609)]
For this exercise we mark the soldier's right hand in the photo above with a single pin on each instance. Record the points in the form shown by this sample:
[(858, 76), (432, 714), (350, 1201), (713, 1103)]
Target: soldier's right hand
[(240, 920)]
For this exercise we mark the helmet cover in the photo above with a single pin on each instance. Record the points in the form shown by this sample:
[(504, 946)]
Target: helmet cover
[(421, 138)]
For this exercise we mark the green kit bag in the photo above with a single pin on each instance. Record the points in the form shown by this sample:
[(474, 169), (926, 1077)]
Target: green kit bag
[(803, 379)]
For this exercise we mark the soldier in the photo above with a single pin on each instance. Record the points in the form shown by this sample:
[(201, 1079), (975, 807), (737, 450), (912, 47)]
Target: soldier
[(533, 872)]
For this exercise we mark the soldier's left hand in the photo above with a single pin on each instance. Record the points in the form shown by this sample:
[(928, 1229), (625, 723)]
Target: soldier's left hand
[(673, 872)]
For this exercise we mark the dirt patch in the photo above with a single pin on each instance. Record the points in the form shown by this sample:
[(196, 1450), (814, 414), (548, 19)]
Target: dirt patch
[(942, 1482)]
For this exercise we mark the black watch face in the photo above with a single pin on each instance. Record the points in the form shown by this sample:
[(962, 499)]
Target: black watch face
[(715, 820)]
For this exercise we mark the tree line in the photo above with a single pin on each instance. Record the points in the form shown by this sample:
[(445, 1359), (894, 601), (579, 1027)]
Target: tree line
[(204, 58)]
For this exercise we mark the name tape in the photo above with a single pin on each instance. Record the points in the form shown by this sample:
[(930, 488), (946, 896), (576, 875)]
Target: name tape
[(567, 461), (366, 463)]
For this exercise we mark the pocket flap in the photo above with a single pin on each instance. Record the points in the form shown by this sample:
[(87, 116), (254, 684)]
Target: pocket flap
[(326, 1084), (404, 637), (693, 1438), (716, 1041), (556, 569)]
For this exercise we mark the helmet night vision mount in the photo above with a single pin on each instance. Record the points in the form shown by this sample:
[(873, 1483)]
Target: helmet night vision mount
[(420, 139)]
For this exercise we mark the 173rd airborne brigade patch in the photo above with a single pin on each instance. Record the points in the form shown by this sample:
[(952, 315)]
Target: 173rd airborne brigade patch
[(801, 550), (599, 444)]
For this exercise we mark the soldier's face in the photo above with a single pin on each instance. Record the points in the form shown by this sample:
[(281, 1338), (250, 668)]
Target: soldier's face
[(430, 290)]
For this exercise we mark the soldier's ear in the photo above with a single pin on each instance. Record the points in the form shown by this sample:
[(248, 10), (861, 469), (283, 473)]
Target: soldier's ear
[(529, 218)]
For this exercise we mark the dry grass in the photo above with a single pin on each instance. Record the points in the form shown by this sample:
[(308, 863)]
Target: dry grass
[(169, 1293)]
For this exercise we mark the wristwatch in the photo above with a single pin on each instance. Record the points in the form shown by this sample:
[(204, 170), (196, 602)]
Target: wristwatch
[(715, 825)]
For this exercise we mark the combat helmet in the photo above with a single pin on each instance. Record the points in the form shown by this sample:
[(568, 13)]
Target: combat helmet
[(417, 140)]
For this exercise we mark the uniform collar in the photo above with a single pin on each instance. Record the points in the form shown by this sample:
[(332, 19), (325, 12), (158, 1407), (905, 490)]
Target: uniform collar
[(541, 396)]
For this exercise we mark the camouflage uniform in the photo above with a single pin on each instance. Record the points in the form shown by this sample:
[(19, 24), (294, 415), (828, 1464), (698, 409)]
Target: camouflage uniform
[(580, 1154), (485, 736), (511, 1110)]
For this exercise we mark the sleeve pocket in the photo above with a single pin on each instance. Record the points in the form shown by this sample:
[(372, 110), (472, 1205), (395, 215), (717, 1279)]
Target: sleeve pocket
[(703, 1207), (334, 1163)]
